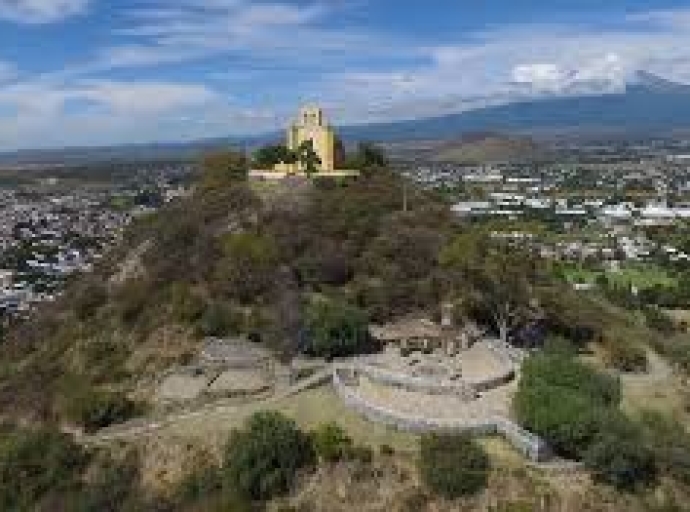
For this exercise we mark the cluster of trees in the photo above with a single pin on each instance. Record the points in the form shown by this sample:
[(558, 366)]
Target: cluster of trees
[(502, 279), (263, 459), (269, 156), (335, 329), (366, 157), (220, 168), (575, 409)]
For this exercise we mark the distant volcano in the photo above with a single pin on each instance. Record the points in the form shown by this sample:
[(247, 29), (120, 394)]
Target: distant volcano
[(650, 105)]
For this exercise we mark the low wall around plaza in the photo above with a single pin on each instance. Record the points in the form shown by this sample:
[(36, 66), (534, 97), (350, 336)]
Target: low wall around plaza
[(418, 384), (531, 446)]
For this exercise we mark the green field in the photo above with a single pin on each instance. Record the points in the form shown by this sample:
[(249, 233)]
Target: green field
[(642, 276)]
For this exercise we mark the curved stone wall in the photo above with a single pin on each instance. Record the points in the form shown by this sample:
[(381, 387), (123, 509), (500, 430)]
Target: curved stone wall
[(419, 384), (525, 442)]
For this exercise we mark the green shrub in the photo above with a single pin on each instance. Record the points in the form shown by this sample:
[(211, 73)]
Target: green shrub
[(566, 419), (670, 443), (94, 410), (562, 371), (335, 329), (618, 456), (262, 460), (219, 319), (562, 400), (36, 463), (331, 443), (453, 466)]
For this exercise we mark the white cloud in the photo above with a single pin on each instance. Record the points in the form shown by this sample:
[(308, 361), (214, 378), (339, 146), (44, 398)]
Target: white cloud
[(541, 76), (163, 32), (142, 97), (602, 74), (105, 111), (7, 71), (37, 12), (517, 62)]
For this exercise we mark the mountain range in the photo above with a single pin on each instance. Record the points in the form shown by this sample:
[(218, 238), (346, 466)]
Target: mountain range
[(649, 105)]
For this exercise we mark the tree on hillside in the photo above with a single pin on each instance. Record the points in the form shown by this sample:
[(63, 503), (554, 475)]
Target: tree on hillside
[(499, 275), (335, 329), (269, 156), (222, 168), (307, 156), (262, 460)]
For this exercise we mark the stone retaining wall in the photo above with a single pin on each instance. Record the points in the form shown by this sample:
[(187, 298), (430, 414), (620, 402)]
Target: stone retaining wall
[(526, 443)]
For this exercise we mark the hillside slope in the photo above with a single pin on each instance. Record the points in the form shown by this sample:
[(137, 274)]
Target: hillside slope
[(230, 260)]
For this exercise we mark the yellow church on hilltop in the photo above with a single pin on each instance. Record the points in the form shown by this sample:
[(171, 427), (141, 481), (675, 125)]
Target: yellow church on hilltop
[(311, 125)]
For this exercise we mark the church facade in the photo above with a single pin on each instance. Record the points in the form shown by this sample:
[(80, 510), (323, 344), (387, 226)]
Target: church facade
[(310, 125)]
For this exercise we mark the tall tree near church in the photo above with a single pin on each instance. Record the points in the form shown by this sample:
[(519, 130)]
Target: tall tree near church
[(308, 157), (267, 157)]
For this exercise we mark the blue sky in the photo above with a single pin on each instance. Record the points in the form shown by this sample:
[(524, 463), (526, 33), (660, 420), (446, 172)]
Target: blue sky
[(90, 72)]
